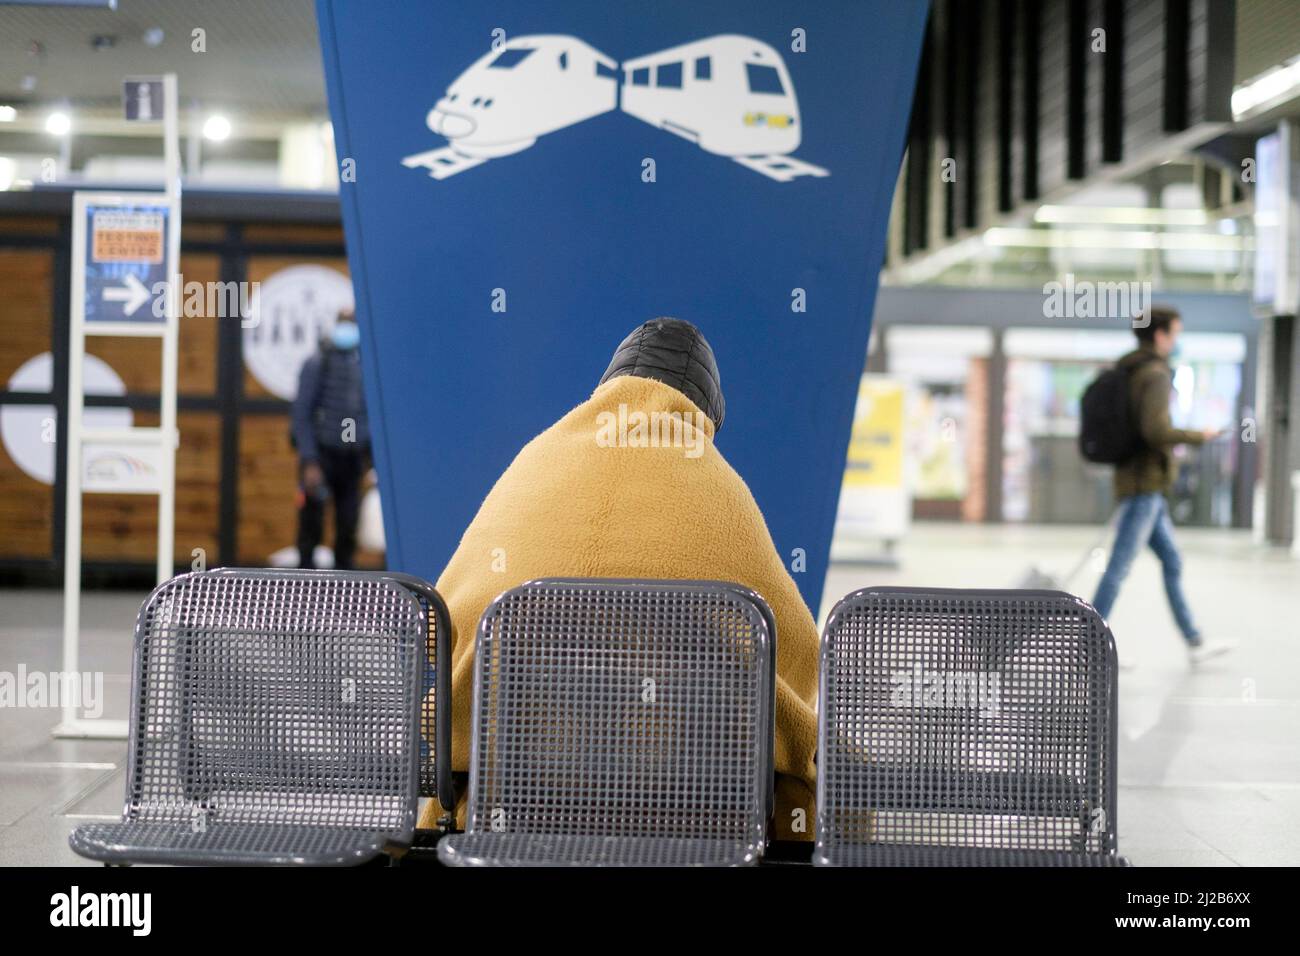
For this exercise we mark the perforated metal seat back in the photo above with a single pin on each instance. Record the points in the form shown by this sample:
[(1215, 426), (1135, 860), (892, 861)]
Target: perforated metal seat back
[(976, 719), (623, 709), (277, 697), (435, 704), (435, 679), (435, 691)]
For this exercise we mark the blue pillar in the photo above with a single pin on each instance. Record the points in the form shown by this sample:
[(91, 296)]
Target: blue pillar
[(524, 181)]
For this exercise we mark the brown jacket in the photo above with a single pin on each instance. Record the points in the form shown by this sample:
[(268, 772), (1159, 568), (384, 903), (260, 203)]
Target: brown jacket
[(1150, 384)]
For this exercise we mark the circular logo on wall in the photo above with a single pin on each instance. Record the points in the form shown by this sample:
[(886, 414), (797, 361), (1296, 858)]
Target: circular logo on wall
[(290, 312), (28, 431)]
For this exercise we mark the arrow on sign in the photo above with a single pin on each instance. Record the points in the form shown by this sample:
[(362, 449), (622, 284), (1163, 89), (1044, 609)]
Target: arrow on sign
[(133, 295)]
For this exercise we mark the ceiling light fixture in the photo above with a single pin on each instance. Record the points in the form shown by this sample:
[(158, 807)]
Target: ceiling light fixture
[(58, 124), (216, 128)]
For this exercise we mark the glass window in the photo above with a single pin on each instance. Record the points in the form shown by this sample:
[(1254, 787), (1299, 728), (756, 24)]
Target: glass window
[(764, 79), (509, 58), (704, 68), (641, 77), (603, 70), (564, 60), (669, 74)]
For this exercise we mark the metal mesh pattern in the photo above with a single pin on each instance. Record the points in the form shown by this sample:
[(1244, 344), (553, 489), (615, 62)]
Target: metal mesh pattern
[(496, 849), (429, 707), (620, 722), (243, 844), (435, 692), (966, 727), (268, 707)]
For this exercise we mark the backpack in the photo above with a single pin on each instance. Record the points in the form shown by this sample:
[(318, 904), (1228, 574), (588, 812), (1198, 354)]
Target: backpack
[(1108, 430)]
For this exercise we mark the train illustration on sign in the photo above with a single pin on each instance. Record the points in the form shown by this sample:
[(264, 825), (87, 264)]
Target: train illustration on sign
[(511, 95), (731, 95)]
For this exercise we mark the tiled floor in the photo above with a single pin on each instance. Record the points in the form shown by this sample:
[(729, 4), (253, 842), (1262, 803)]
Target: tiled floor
[(1209, 758), (49, 785)]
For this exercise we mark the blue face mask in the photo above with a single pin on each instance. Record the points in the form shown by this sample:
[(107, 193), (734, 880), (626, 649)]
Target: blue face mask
[(1176, 352), (346, 335)]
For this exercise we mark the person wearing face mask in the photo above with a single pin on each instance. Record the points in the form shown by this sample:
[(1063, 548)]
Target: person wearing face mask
[(332, 435), (1143, 479)]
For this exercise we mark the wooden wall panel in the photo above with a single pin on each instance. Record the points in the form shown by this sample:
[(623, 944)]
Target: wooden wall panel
[(26, 289), (198, 485), (192, 231), (137, 361), (26, 513), (286, 233), (197, 358), (46, 226), (268, 486), (125, 527)]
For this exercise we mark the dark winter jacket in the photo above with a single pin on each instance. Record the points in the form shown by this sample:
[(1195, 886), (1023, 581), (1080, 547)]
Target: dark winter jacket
[(1150, 385), (329, 393)]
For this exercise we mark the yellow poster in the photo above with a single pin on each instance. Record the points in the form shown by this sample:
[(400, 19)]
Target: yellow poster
[(876, 445)]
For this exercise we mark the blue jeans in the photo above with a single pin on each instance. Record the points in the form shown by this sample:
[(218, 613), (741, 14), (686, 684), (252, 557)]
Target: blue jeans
[(1144, 519)]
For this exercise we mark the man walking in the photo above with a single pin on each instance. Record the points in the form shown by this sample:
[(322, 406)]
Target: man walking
[(1142, 480), (332, 435)]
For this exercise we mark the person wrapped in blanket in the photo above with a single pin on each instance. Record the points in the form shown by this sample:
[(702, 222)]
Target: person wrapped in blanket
[(577, 502)]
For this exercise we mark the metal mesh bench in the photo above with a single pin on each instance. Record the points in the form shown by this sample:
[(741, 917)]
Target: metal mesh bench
[(435, 690), (966, 728), (435, 696), (620, 723), (275, 719)]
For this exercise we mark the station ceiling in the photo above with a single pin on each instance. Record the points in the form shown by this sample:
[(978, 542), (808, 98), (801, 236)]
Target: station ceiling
[(261, 57)]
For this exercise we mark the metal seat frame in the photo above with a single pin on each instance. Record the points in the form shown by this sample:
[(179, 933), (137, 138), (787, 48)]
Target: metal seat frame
[(1026, 779), (600, 806), (284, 774)]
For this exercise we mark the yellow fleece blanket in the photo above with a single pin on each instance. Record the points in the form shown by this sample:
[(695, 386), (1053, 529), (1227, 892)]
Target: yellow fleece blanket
[(588, 498)]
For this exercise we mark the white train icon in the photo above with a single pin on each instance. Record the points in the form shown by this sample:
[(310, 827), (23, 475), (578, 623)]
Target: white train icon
[(729, 94), (529, 86)]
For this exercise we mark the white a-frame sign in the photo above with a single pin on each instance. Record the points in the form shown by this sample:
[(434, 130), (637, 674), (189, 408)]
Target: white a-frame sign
[(125, 282)]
